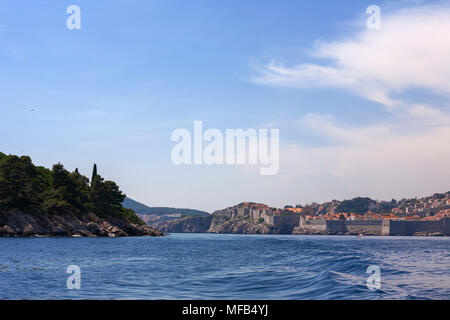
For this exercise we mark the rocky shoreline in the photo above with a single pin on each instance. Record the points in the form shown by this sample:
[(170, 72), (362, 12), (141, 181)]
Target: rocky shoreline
[(15, 223)]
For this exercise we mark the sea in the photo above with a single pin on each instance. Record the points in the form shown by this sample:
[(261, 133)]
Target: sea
[(226, 267)]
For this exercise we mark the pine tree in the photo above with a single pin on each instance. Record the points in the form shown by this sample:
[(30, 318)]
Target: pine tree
[(94, 173)]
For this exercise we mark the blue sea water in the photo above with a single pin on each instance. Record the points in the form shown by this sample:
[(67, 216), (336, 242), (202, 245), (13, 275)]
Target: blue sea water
[(212, 266)]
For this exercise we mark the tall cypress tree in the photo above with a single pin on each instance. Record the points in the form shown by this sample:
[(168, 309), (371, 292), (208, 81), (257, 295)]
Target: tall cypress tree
[(94, 172)]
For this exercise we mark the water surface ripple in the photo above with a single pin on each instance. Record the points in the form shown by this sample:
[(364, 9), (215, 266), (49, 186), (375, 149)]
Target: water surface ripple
[(212, 266)]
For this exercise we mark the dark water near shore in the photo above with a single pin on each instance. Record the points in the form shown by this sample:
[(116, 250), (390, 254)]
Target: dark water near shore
[(211, 266)]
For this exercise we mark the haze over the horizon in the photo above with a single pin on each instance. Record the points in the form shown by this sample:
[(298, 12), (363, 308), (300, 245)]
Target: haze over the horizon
[(361, 112)]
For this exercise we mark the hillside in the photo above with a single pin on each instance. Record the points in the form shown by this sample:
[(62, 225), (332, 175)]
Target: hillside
[(143, 209), (36, 201)]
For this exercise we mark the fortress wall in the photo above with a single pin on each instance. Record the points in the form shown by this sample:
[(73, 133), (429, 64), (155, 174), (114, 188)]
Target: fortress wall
[(336, 226), (392, 227), (268, 219), (409, 228), (314, 226), (397, 228), (425, 226), (286, 220), (315, 222), (255, 214), (364, 222), (385, 227), (286, 223), (372, 227), (378, 227)]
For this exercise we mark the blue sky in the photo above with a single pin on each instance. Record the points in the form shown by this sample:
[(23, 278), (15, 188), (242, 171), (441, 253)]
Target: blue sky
[(113, 92)]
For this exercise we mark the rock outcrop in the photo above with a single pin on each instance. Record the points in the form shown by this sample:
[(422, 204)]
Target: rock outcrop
[(194, 224), (17, 223), (215, 224), (240, 226)]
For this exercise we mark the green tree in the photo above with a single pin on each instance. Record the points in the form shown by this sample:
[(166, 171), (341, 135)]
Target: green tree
[(105, 197), (94, 173), (19, 183), (68, 191)]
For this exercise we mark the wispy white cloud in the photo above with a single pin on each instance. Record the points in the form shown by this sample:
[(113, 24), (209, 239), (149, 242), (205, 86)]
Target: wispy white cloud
[(410, 50), (326, 126)]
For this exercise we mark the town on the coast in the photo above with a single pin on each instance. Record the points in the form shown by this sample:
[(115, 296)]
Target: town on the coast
[(424, 216)]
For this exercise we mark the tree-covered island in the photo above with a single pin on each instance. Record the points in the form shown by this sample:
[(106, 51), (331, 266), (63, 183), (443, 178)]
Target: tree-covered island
[(37, 201)]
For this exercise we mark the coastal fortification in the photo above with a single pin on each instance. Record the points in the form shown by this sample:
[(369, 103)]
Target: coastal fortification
[(283, 221), (386, 227), (256, 218)]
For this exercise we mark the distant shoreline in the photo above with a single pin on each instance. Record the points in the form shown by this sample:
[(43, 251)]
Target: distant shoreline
[(298, 225)]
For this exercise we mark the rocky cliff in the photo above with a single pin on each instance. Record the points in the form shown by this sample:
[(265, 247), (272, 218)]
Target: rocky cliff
[(215, 224), (196, 224), (240, 226), (17, 223)]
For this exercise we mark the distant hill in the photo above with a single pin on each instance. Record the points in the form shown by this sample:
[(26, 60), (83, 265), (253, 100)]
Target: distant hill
[(146, 210)]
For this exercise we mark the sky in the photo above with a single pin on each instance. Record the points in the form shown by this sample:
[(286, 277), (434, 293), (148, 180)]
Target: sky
[(360, 112)]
